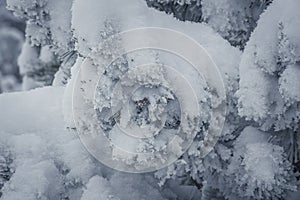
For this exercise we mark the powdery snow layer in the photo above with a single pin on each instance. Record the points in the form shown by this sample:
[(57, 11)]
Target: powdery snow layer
[(95, 21), (39, 120), (268, 67), (50, 162), (34, 111), (46, 157)]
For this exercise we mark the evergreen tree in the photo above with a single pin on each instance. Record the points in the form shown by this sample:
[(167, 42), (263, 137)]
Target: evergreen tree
[(48, 24), (256, 155), (234, 20)]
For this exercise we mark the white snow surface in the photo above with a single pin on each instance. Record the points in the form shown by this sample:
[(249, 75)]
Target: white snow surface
[(269, 64), (49, 160), (32, 127), (38, 118), (37, 126)]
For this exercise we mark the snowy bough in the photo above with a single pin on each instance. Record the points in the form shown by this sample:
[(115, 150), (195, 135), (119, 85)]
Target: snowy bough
[(149, 111), (173, 103)]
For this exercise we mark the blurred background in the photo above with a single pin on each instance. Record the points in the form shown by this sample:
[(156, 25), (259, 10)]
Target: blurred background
[(12, 35)]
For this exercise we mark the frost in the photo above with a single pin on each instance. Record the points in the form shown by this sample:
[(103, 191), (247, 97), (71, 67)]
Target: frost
[(258, 167), (69, 46), (270, 58), (289, 88), (48, 24), (234, 20), (98, 188), (40, 146)]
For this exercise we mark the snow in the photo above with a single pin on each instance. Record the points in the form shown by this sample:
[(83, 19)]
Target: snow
[(26, 109), (270, 58), (289, 87), (48, 28), (232, 19), (44, 154), (60, 26), (26, 133), (136, 15), (258, 167), (49, 159), (119, 187), (251, 135), (105, 21), (36, 139), (35, 187), (98, 188), (49, 21)]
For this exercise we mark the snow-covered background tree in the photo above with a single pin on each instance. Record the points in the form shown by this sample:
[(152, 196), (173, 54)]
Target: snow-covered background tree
[(69, 43), (11, 39), (48, 50)]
